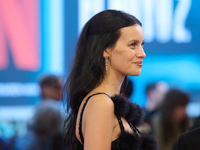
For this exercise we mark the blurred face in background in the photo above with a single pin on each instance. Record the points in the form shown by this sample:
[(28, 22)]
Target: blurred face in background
[(179, 113), (51, 92), (157, 95)]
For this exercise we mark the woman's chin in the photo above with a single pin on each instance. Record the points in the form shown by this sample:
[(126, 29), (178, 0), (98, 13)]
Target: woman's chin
[(134, 74)]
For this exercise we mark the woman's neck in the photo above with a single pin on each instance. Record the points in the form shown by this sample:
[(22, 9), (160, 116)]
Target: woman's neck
[(111, 85)]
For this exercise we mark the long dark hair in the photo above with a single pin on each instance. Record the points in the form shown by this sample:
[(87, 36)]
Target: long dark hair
[(100, 32), (172, 99)]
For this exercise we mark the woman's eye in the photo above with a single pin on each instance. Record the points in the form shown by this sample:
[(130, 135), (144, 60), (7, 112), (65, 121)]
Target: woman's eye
[(143, 44), (133, 45)]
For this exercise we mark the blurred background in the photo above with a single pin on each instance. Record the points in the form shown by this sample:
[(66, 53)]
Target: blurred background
[(38, 38)]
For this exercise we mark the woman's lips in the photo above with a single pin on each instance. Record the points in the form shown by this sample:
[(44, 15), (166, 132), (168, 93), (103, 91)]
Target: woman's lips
[(138, 63)]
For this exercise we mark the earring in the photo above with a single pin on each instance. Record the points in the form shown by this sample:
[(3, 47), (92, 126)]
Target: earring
[(106, 63)]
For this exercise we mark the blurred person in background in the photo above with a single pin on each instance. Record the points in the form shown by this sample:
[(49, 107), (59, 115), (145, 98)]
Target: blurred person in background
[(50, 87), (155, 93), (4, 145), (8, 134), (190, 139), (196, 123), (43, 129), (173, 120)]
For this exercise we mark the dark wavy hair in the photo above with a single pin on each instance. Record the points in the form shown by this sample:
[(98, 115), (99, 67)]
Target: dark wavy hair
[(100, 32), (172, 99)]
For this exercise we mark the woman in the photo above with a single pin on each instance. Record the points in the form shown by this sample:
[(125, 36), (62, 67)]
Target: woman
[(173, 120), (109, 48)]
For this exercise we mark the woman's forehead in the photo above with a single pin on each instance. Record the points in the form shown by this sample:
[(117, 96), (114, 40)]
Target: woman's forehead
[(134, 32)]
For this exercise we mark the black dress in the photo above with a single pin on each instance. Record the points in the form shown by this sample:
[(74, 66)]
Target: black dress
[(134, 116)]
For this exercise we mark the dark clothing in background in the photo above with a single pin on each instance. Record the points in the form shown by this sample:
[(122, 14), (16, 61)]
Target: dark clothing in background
[(189, 141), (3, 144), (31, 142), (196, 123)]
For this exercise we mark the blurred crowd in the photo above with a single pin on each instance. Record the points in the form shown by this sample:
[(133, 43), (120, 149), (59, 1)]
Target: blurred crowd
[(44, 131), (165, 118)]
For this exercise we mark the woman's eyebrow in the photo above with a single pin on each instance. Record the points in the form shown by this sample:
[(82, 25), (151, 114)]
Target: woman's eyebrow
[(137, 41)]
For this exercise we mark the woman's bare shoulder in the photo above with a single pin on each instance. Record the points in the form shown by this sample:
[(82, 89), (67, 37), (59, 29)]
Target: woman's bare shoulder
[(101, 101), (98, 113), (99, 120), (99, 105)]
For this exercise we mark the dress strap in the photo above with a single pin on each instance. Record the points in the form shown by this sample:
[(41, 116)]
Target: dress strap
[(81, 114), (135, 129), (120, 124)]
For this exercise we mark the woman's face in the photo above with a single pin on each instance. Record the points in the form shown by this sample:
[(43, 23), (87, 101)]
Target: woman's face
[(127, 55), (179, 113)]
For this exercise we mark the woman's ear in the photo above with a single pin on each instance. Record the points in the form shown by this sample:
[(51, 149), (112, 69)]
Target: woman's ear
[(107, 52)]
